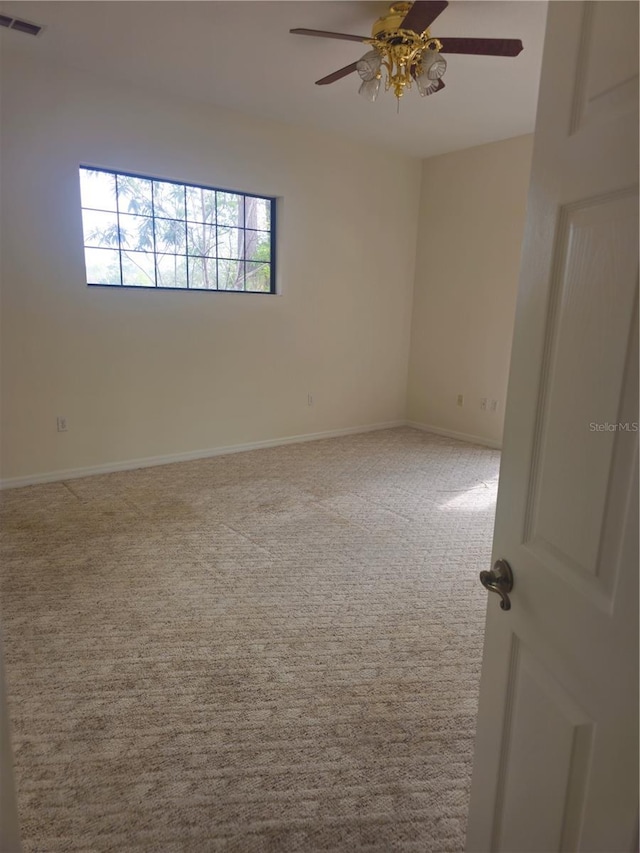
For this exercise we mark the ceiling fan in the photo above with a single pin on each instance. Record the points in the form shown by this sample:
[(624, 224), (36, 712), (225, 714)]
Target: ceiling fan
[(402, 45)]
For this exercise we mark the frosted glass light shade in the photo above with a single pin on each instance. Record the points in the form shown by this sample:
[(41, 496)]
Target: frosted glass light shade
[(433, 64), (369, 89), (369, 65), (426, 86)]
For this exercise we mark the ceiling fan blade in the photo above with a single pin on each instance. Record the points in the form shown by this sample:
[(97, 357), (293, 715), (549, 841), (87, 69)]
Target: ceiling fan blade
[(486, 47), (337, 75), (323, 34), (422, 14)]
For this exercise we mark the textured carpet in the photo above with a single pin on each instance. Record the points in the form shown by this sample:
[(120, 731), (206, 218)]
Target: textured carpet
[(272, 651)]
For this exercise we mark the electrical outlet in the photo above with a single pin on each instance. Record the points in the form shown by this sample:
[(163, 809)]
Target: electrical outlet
[(493, 405), (62, 423), (483, 404), (460, 400), (309, 399)]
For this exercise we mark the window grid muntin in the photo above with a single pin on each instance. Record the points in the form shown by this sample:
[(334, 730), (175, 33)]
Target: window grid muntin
[(153, 229), (216, 226), (186, 237), (271, 214)]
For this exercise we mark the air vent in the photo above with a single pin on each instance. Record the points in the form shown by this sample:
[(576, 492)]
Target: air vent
[(21, 26)]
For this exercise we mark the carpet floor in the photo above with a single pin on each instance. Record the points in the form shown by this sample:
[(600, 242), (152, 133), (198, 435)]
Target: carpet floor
[(276, 650)]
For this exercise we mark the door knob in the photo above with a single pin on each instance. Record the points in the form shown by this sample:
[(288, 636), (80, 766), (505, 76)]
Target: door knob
[(500, 581)]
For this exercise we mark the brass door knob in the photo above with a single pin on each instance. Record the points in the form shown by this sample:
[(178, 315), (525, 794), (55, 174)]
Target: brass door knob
[(500, 581)]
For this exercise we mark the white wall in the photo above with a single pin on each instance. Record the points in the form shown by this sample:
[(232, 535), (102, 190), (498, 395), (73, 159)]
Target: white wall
[(146, 373), (471, 224)]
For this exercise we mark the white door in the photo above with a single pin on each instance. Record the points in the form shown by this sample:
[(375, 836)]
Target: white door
[(556, 762)]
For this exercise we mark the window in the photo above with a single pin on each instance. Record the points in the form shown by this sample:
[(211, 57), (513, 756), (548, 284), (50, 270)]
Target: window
[(143, 232)]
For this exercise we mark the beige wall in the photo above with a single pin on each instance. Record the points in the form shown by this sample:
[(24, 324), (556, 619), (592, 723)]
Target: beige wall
[(144, 373), (470, 231)]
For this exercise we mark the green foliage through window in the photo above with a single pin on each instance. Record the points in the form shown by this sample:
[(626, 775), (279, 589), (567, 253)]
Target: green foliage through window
[(143, 232)]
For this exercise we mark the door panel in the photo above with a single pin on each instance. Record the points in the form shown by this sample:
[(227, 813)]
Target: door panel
[(607, 72), (592, 298), (541, 712)]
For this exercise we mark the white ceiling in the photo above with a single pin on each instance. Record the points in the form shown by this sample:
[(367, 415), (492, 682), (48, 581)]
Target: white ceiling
[(241, 55)]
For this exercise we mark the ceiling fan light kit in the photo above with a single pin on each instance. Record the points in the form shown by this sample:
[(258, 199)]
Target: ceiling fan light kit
[(404, 51), (403, 54)]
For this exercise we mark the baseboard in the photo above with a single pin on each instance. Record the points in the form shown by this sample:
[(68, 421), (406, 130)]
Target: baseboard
[(152, 461), (459, 436)]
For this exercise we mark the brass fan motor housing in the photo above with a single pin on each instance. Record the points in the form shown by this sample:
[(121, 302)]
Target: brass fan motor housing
[(392, 20)]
